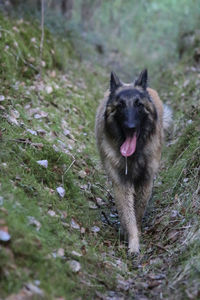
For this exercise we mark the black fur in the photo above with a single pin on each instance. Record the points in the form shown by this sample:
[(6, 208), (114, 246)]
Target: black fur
[(130, 113)]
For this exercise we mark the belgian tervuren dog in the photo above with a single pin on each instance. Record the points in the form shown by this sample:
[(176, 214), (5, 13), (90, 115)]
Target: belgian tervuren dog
[(129, 133)]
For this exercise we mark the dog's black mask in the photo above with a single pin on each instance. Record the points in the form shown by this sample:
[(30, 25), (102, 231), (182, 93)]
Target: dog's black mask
[(128, 113)]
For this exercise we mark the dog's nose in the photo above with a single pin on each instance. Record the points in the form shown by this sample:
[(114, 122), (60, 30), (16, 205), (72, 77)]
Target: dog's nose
[(129, 125)]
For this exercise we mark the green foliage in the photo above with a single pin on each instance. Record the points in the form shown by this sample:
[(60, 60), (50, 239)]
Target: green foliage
[(20, 49), (145, 33)]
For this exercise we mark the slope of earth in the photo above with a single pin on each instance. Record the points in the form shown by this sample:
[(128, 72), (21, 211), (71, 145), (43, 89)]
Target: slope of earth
[(52, 239), (58, 223)]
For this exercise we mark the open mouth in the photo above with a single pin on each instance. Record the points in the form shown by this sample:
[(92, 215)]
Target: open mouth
[(129, 145)]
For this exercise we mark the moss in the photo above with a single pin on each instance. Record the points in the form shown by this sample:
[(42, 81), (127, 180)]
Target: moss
[(20, 49)]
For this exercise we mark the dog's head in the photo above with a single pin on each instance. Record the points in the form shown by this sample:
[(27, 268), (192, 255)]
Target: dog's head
[(130, 112)]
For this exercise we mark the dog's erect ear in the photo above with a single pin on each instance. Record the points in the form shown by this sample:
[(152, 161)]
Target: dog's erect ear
[(114, 82), (142, 79)]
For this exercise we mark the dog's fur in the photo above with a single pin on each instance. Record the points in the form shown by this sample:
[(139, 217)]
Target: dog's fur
[(129, 108)]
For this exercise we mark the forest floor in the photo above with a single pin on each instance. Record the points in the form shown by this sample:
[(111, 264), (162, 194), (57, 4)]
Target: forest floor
[(59, 235)]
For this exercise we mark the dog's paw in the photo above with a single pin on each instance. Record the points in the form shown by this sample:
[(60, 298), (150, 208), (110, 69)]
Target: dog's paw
[(133, 246)]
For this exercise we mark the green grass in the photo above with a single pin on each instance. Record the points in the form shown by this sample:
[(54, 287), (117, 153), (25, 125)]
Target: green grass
[(29, 189)]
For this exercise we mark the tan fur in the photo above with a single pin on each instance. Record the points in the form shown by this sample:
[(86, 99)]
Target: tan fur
[(130, 203)]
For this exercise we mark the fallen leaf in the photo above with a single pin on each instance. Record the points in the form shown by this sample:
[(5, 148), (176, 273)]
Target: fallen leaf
[(100, 202), (34, 289), (4, 235), (33, 221), (92, 205), (63, 214), (41, 132), (14, 113), (66, 132), (52, 213), (74, 224), (61, 252), (124, 284), (37, 145), (41, 114), (33, 40), (61, 191), (1, 200), (12, 120), (82, 174), (174, 214), (49, 89), (43, 163), (75, 266), (95, 229), (33, 132), (83, 230), (75, 253)]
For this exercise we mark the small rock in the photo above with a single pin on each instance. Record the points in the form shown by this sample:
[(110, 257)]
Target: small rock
[(61, 191), (43, 163), (75, 266)]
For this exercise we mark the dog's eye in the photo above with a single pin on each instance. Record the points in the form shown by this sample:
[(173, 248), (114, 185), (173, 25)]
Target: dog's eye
[(121, 104), (138, 103)]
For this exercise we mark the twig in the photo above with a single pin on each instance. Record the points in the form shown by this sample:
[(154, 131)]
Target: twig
[(101, 186), (20, 141), (42, 35), (160, 247), (68, 169)]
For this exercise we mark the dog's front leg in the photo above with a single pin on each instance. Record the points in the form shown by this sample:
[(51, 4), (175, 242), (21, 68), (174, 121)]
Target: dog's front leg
[(142, 199), (124, 199)]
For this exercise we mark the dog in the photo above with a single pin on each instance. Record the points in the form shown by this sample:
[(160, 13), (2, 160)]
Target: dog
[(129, 130)]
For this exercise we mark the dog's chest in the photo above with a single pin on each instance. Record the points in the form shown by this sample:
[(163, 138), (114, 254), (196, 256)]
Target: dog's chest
[(134, 169)]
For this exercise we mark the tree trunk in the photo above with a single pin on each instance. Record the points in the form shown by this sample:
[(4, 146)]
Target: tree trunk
[(67, 8)]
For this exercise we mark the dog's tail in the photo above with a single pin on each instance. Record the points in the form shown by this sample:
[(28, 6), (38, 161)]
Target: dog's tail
[(167, 118)]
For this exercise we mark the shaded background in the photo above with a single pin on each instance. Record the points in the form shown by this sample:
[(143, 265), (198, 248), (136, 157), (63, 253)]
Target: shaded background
[(125, 35)]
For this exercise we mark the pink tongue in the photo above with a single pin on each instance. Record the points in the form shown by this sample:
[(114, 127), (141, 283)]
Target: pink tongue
[(128, 147)]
